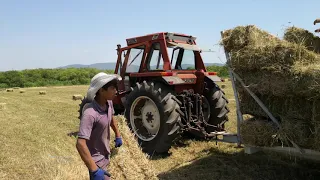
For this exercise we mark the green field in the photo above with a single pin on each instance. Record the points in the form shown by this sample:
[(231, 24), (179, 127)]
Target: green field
[(37, 143)]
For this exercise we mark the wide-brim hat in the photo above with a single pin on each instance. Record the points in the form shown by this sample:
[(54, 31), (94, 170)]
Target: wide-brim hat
[(98, 81)]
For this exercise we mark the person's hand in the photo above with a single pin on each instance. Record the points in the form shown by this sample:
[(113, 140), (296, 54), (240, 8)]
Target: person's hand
[(118, 141), (99, 174)]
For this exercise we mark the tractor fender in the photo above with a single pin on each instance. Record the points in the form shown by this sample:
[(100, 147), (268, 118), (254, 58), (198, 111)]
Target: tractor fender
[(213, 78)]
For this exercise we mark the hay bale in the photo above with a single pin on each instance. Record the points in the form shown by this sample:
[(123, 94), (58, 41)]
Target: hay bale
[(284, 56), (316, 133), (302, 82), (42, 92), (301, 108), (304, 37), (223, 86), (242, 36), (129, 162), (2, 106), (10, 90), (77, 97), (299, 118), (258, 132), (298, 130), (22, 91), (16, 87)]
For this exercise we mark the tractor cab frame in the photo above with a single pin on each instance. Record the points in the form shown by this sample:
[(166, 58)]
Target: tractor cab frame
[(148, 58)]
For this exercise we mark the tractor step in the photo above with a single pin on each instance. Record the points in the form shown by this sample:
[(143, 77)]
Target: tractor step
[(224, 136)]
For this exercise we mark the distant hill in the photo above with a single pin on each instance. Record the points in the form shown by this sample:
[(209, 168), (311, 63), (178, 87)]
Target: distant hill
[(102, 66), (112, 65)]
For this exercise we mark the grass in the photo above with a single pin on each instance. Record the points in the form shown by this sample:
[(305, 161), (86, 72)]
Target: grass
[(36, 144)]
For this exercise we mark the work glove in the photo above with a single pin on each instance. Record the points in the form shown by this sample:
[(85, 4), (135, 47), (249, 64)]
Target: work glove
[(99, 174), (118, 141)]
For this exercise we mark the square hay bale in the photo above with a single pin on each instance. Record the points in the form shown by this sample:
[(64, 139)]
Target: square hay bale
[(42, 92), (22, 91), (284, 56), (10, 90), (243, 36), (300, 108), (77, 97), (3, 106), (258, 132), (304, 37), (298, 117), (301, 81)]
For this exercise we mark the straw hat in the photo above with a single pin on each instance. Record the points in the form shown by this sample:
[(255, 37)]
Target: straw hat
[(98, 81)]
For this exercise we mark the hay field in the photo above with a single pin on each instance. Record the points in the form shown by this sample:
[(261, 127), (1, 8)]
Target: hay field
[(37, 142)]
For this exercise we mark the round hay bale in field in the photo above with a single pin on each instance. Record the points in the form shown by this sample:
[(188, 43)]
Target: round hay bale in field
[(22, 91), (2, 106), (10, 90), (77, 97), (42, 92), (223, 86)]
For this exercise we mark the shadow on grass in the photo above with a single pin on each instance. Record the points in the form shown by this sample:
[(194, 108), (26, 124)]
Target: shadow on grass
[(219, 165), (179, 142), (74, 134)]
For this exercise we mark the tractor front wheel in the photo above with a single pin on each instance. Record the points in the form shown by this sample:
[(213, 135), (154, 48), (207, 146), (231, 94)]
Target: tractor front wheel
[(151, 114)]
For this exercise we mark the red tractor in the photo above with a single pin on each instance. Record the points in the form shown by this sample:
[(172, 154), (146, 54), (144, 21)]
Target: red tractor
[(162, 96)]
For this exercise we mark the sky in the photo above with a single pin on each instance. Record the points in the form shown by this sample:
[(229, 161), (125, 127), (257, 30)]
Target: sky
[(50, 34)]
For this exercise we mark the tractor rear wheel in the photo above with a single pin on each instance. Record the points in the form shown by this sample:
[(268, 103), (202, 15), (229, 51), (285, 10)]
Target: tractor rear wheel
[(218, 109), (151, 114)]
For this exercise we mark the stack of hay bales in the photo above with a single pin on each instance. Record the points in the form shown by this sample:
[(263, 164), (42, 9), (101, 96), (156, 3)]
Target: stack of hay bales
[(285, 75)]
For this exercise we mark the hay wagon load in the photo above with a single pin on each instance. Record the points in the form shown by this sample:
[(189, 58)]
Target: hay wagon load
[(276, 83)]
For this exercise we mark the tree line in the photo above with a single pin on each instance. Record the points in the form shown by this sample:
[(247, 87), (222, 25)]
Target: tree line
[(48, 77), (61, 77)]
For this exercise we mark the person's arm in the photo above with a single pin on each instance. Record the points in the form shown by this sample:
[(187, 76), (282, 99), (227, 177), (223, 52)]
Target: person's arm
[(85, 154), (85, 129)]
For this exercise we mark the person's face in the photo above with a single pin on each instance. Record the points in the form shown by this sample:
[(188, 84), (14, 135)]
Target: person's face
[(109, 93)]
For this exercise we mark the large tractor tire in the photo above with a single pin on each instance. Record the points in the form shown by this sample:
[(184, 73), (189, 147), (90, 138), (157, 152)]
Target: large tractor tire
[(218, 109), (151, 114)]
